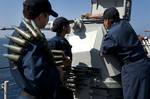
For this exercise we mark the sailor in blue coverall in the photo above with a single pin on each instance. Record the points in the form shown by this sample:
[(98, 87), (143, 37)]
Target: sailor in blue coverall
[(122, 41), (35, 73), (59, 42)]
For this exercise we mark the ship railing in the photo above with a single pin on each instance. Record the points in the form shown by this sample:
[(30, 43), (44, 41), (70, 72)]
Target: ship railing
[(4, 86)]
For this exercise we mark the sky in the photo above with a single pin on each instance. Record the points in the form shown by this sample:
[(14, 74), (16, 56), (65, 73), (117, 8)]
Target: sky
[(11, 12)]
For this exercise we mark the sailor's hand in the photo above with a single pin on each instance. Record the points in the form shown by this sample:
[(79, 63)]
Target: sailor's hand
[(86, 16), (67, 63), (141, 38)]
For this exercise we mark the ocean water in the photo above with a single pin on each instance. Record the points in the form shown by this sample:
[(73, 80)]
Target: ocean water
[(5, 74)]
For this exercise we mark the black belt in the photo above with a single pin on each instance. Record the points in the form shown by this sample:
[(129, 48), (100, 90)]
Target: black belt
[(26, 95), (128, 61)]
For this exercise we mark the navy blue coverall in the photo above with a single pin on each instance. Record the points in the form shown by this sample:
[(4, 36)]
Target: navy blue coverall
[(35, 73), (122, 41), (60, 43)]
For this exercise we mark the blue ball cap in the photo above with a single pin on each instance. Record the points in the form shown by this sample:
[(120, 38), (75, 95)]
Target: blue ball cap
[(38, 6)]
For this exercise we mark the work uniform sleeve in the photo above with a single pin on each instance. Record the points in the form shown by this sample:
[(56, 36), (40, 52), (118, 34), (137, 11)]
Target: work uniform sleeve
[(109, 45)]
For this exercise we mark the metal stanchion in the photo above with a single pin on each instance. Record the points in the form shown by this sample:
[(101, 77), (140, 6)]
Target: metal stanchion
[(5, 88)]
